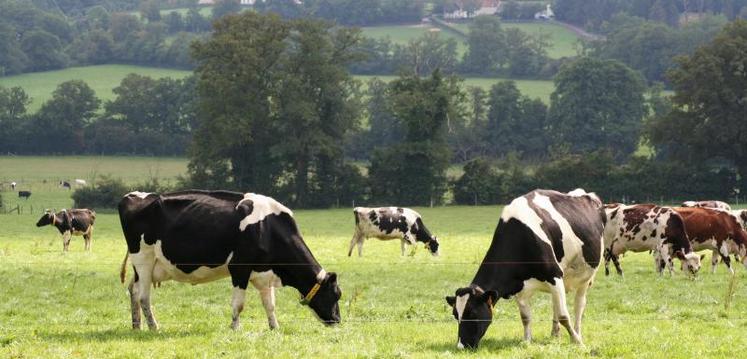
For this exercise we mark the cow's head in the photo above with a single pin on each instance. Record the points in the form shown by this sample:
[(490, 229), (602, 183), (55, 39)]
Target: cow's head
[(473, 310), (325, 301), (47, 218), (432, 246), (690, 262)]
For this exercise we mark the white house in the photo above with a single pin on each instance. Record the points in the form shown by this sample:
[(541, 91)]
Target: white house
[(487, 7), (546, 14)]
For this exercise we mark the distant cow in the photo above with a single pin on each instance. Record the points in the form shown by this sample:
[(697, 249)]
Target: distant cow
[(200, 236), (391, 223), (718, 231), (13, 186), (707, 204), (80, 182), (647, 227), (24, 194), (65, 184), (71, 222), (545, 241)]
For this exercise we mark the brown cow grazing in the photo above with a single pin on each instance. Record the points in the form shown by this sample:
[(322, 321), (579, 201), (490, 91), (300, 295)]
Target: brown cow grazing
[(707, 204), (718, 231), (647, 227), (71, 222)]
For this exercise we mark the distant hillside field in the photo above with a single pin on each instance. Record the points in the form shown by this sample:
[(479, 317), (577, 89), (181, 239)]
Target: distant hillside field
[(564, 41), (102, 79), (401, 34), (531, 88)]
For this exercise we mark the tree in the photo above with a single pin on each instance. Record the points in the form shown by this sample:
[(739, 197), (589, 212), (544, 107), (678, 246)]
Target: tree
[(665, 11), (385, 129), (414, 172), (60, 122), (597, 104), (515, 123), (225, 7), (174, 22), (44, 51), (708, 115), (150, 10), (275, 104), (13, 104), (487, 43), (427, 53)]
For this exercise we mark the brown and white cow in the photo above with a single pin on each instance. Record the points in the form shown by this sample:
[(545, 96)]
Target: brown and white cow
[(718, 231), (71, 222), (707, 204), (647, 227), (391, 223)]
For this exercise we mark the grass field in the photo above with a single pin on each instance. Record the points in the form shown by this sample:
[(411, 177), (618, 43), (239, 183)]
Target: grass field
[(41, 175), (102, 79), (563, 41), (56, 305), (401, 34), (531, 88)]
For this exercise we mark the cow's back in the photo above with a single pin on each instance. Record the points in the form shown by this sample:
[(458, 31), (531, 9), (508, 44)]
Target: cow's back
[(703, 224)]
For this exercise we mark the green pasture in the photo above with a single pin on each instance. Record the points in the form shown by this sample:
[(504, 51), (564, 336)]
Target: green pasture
[(61, 305), (532, 88), (401, 34), (563, 42), (102, 79)]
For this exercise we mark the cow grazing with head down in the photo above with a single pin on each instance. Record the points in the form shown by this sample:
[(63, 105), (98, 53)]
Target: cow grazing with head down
[(71, 222), (707, 204), (13, 186), (545, 240), (391, 223), (65, 184), (647, 227), (24, 194), (201, 236), (715, 230)]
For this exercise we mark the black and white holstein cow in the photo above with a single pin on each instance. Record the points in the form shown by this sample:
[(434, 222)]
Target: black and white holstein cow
[(545, 240), (201, 236), (391, 223), (71, 222), (648, 227)]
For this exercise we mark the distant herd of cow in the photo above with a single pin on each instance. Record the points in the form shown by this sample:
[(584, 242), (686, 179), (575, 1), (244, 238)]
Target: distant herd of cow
[(64, 184), (545, 241)]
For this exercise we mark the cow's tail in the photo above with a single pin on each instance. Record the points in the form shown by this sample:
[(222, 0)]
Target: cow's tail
[(123, 269)]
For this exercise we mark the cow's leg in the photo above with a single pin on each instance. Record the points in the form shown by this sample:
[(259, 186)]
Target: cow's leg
[(144, 262), (402, 247), (132, 288), (361, 239), (616, 262), (264, 284), (353, 242), (607, 257), (555, 331), (724, 252), (727, 262), (525, 312), (87, 240), (715, 257), (66, 237), (240, 279), (580, 305), (560, 309)]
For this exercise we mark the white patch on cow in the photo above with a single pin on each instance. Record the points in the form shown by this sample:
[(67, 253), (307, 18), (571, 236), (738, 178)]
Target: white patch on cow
[(321, 275), (138, 194), (571, 243), (265, 279), (263, 206), (520, 210), (164, 269), (459, 344), (461, 303)]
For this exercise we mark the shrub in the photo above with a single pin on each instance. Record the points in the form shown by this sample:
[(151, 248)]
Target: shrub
[(480, 184), (106, 192)]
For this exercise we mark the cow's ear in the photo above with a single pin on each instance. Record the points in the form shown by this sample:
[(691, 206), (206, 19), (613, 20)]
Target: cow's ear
[(490, 297), (451, 300), (679, 255), (331, 278)]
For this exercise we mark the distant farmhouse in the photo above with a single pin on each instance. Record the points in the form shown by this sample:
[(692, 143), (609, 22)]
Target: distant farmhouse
[(460, 10), (546, 14)]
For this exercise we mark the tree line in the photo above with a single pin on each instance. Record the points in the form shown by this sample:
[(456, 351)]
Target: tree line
[(148, 116)]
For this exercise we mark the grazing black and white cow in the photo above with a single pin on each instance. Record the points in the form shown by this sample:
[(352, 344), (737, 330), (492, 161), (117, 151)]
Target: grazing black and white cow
[(71, 222), (13, 186), (648, 227), (65, 184), (707, 204), (24, 194), (200, 236), (391, 223), (545, 240)]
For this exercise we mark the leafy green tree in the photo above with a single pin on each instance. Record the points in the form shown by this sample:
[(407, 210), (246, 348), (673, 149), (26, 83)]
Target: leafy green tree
[(427, 53), (93, 47), (13, 104), (487, 44), (174, 22), (12, 59), (150, 10), (195, 22), (665, 11), (414, 172), (59, 124), (385, 129), (480, 184), (598, 104), (515, 123), (44, 50), (123, 26), (225, 7), (525, 54), (708, 116)]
